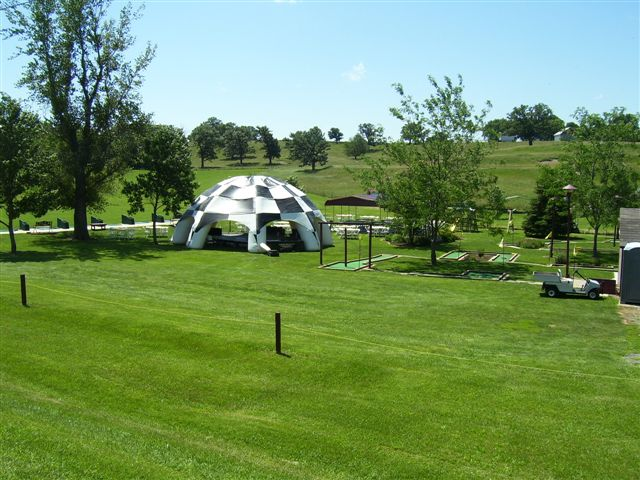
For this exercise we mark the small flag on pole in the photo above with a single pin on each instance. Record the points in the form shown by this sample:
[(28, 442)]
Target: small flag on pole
[(501, 244), (549, 236)]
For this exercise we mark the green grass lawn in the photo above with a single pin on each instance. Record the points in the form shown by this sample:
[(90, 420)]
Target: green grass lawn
[(137, 361)]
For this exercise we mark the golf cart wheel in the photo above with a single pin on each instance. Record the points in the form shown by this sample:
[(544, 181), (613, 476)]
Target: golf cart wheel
[(551, 292), (593, 294)]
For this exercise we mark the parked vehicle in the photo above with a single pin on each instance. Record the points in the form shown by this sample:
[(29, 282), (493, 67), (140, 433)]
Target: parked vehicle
[(554, 284)]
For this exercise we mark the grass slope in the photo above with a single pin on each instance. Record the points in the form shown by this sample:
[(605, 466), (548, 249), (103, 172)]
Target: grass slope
[(134, 361)]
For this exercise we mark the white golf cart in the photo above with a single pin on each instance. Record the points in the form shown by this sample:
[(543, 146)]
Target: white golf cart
[(555, 284)]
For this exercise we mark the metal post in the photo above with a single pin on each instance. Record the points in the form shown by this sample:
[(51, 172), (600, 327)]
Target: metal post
[(553, 227), (321, 229), (345, 247), (278, 334), (370, 235), (23, 288), (568, 231)]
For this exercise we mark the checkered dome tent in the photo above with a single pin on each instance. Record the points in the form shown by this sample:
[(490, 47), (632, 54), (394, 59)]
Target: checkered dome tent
[(252, 201)]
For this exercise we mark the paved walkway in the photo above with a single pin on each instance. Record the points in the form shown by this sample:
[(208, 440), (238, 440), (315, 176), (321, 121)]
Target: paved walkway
[(116, 226)]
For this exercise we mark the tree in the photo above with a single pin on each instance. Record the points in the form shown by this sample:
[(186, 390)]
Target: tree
[(437, 173), (496, 128), (270, 144), (169, 180), (236, 143), (309, 148), (208, 136), (19, 163), (413, 132), (335, 134), (595, 164), (534, 123), (547, 210), (373, 134), (356, 146), (79, 71)]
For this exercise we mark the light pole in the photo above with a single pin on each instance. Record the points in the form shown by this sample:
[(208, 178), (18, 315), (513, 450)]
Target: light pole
[(568, 190)]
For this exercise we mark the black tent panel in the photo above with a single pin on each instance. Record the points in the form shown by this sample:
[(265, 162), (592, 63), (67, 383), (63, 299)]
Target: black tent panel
[(288, 205)]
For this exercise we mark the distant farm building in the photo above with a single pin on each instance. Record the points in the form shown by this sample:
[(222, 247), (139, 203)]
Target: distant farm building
[(509, 138), (563, 135)]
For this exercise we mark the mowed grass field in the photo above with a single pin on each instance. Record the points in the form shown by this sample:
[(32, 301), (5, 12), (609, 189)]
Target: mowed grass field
[(136, 361), (141, 361)]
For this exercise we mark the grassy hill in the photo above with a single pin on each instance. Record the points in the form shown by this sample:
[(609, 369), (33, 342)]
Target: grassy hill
[(140, 361)]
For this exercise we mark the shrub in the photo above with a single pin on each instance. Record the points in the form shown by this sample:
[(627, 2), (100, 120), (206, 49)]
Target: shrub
[(531, 243)]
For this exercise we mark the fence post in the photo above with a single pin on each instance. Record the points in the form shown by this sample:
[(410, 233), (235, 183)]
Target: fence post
[(23, 288), (278, 334)]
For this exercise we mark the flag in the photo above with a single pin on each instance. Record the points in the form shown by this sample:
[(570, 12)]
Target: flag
[(501, 244), (452, 227), (574, 251), (549, 236)]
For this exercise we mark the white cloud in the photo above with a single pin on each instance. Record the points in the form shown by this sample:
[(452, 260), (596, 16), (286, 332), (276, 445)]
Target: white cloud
[(600, 96), (356, 73), (285, 1)]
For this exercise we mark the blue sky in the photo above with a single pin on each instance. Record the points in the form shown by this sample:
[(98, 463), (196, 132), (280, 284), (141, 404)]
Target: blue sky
[(292, 65)]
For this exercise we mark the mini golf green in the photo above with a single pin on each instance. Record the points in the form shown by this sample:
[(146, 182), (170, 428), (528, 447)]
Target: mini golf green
[(503, 257), (484, 275), (358, 264), (454, 255)]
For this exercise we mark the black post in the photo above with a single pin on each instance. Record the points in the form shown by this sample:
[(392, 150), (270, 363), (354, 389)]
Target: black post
[(553, 227), (23, 288), (370, 235), (278, 334), (568, 230), (345, 247), (321, 228)]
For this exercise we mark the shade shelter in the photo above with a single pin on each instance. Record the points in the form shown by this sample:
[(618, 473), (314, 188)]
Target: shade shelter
[(363, 200), (254, 202)]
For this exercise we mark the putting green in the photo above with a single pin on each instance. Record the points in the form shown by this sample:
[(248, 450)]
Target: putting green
[(358, 264), (503, 257), (483, 275), (454, 255)]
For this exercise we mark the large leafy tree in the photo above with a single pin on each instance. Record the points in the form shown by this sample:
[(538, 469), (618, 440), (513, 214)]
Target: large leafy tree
[(536, 122), (356, 147), (422, 182), (208, 136), (169, 179), (335, 134), (270, 144), (309, 147), (20, 163), (78, 69), (372, 133), (236, 142), (595, 163), (412, 132)]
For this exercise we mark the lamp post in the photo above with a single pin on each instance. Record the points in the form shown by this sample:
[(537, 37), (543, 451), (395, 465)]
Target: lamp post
[(553, 226), (568, 190)]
